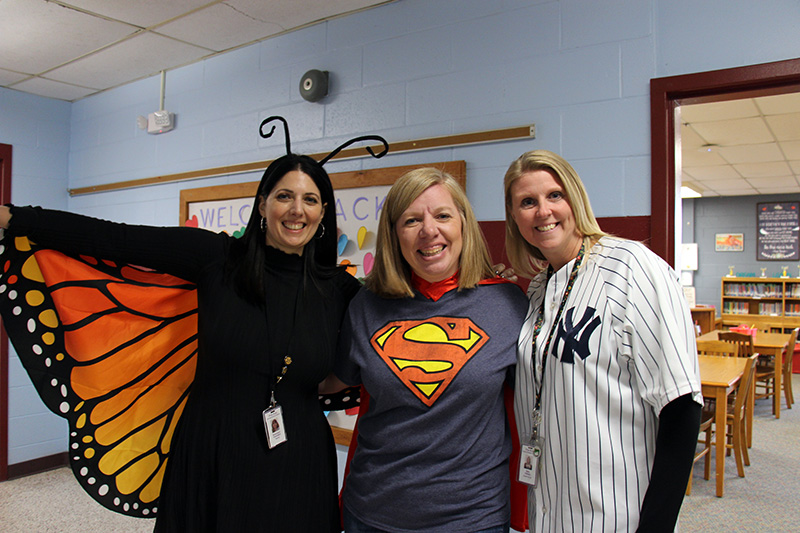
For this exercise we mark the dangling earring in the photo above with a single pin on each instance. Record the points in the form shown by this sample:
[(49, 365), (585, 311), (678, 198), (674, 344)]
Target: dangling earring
[(263, 225), (321, 225)]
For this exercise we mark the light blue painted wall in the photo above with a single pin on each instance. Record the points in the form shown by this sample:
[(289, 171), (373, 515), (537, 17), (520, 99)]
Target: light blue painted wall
[(38, 129), (578, 69)]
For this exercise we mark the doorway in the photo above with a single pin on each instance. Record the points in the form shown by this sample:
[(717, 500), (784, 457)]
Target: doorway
[(666, 95)]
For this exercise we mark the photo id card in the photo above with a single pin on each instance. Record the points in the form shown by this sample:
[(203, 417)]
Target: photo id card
[(273, 424), (529, 456)]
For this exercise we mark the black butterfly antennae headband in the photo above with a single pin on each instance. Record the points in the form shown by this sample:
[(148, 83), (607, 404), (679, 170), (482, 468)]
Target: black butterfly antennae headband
[(332, 154)]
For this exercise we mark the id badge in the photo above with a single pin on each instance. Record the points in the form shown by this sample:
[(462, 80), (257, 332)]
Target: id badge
[(273, 424), (529, 457)]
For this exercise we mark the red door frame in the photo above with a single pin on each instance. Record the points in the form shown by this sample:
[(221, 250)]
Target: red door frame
[(5, 197), (666, 94)]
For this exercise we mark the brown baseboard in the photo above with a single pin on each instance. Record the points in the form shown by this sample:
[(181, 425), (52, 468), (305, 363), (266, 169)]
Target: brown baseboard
[(35, 466)]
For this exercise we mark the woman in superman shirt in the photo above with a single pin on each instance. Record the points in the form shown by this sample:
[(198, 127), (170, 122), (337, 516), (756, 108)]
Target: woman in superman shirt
[(432, 341)]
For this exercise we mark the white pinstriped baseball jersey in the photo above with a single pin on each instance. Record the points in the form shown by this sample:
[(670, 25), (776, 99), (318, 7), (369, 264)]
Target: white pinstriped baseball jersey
[(623, 349)]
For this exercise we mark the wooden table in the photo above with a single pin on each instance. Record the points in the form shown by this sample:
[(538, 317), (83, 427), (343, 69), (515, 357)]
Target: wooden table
[(719, 377), (767, 344)]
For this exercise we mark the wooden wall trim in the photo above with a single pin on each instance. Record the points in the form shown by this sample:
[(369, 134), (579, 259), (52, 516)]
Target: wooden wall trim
[(479, 137)]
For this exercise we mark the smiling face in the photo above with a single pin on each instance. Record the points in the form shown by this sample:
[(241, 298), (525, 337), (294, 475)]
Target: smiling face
[(544, 217), (293, 210), (429, 233)]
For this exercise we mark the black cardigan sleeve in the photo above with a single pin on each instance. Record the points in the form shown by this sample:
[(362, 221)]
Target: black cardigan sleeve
[(179, 251)]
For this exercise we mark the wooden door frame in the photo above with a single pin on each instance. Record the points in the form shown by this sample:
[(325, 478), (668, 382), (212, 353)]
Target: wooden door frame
[(5, 197), (666, 94)]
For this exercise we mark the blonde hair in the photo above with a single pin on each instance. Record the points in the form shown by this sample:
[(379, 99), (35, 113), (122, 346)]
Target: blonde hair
[(525, 258), (391, 275)]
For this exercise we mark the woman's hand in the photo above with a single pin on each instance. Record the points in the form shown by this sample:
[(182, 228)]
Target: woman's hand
[(505, 273)]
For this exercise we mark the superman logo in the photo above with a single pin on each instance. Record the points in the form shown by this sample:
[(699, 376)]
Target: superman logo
[(426, 355)]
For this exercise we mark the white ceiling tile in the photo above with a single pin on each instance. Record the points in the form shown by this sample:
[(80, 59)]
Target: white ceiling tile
[(751, 153), (779, 104), (689, 138), (795, 167), (27, 28), (291, 14), (791, 149), (786, 127), (685, 174), (702, 158), (53, 89), (8, 77), (39, 36), (135, 58), (713, 173), (734, 132), (737, 192), (778, 181), (763, 170), (220, 27), (715, 111), (144, 13)]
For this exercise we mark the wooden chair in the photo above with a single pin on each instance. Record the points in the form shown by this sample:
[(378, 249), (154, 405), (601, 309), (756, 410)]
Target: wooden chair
[(721, 348), (743, 340), (765, 374), (735, 431), (718, 348), (788, 359)]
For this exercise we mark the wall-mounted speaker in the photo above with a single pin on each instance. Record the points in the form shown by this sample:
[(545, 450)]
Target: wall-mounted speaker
[(314, 85)]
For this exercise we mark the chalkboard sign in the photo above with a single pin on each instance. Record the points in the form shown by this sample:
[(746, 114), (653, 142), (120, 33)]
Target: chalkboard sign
[(778, 224)]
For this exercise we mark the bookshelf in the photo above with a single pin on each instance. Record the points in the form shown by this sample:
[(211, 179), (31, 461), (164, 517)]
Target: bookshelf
[(767, 303)]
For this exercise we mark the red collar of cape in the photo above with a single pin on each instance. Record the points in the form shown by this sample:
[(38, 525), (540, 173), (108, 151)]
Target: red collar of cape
[(437, 289)]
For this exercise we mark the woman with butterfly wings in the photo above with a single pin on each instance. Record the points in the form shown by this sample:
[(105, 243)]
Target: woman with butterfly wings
[(190, 382)]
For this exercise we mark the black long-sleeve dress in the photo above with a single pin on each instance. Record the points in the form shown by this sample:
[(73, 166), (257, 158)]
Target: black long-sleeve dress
[(221, 475)]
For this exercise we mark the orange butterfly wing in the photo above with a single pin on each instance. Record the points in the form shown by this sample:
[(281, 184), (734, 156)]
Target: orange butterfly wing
[(111, 348)]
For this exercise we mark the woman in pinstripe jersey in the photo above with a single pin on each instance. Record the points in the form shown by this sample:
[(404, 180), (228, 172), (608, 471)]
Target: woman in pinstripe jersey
[(607, 383)]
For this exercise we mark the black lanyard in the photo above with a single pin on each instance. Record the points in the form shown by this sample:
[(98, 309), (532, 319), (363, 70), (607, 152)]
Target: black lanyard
[(287, 359), (537, 328)]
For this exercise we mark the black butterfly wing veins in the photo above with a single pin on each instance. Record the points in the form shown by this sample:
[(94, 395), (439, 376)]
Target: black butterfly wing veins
[(112, 349)]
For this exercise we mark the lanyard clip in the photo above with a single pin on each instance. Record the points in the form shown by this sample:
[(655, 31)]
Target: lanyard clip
[(536, 420)]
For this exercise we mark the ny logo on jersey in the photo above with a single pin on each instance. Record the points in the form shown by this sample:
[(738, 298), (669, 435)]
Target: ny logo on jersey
[(568, 334)]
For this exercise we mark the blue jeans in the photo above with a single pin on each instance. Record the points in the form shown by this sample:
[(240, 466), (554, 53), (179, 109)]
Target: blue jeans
[(354, 525)]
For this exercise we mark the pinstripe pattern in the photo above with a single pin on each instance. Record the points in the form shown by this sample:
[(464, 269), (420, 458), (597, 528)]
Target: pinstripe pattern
[(601, 411)]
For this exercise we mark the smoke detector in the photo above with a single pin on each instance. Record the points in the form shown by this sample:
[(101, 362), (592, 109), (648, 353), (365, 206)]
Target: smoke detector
[(157, 122), (160, 121)]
